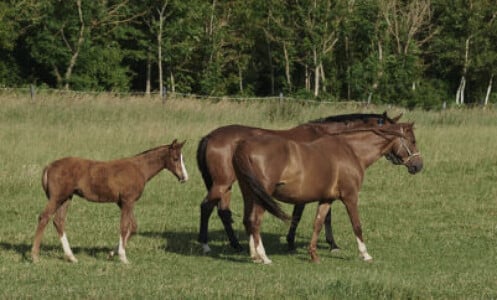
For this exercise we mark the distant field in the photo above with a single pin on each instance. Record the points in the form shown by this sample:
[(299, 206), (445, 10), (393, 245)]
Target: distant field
[(432, 235)]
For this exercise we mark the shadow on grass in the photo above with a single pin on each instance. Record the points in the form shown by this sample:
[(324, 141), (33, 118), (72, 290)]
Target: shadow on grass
[(24, 250), (185, 243)]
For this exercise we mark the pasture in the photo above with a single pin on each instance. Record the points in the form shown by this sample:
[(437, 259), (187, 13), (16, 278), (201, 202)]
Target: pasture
[(432, 235)]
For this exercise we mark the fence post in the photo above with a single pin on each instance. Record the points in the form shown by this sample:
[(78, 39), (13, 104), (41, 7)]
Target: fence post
[(32, 92), (164, 95)]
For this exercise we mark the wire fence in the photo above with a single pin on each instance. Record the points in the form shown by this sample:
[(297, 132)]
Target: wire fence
[(33, 91)]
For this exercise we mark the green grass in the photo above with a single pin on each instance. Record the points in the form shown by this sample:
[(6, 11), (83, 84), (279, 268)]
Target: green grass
[(432, 235)]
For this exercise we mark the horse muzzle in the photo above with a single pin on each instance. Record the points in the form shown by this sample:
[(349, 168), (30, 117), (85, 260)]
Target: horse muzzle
[(414, 165)]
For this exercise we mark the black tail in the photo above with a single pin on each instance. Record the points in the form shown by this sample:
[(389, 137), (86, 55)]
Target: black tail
[(245, 175), (202, 162)]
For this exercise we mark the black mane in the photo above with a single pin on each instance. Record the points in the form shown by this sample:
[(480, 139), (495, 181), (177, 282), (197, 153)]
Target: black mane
[(350, 117)]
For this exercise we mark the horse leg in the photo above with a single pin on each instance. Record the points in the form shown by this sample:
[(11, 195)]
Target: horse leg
[(206, 209), (225, 215), (351, 205), (298, 209), (43, 219), (322, 210), (329, 232), (59, 223), (125, 230), (255, 239)]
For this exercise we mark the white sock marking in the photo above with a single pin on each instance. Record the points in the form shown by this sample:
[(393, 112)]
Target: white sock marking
[(67, 248), (121, 251), (362, 249)]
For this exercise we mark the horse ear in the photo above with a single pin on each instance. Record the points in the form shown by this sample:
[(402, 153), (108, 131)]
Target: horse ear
[(182, 143), (175, 141), (397, 118)]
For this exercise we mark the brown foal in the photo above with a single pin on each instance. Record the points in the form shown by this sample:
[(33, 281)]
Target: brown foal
[(121, 181), (324, 170)]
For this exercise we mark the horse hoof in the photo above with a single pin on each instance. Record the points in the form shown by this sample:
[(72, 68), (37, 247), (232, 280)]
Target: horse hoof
[(237, 248), (71, 259), (335, 250), (35, 259), (368, 259), (206, 249)]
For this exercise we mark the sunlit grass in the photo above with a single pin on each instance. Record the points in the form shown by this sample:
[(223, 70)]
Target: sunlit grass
[(432, 235)]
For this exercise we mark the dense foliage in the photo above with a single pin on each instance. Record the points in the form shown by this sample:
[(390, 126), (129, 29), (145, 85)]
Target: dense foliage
[(414, 53)]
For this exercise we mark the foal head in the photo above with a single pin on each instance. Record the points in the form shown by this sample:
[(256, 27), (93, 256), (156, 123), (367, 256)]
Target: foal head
[(174, 161), (404, 151)]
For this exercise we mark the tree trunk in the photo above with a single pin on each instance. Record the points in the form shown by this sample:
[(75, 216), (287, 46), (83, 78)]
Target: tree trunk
[(77, 48), (173, 82), (159, 47), (307, 79), (240, 78), (462, 85), (317, 77), (148, 75), (287, 68), (489, 90), (271, 68), (159, 54), (460, 91)]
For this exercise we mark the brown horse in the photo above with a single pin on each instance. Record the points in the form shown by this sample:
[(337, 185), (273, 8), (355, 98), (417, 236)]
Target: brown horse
[(214, 160), (324, 170), (121, 181)]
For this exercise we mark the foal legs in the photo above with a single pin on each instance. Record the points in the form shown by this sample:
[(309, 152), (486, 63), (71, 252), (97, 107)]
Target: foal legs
[(128, 226), (59, 223), (43, 219)]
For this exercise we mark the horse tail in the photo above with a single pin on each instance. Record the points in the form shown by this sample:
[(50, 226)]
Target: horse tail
[(202, 162), (44, 181), (245, 173)]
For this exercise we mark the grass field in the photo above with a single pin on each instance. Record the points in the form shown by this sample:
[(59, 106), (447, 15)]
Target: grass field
[(432, 235)]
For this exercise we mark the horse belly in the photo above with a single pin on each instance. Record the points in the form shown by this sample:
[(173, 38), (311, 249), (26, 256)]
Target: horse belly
[(291, 192)]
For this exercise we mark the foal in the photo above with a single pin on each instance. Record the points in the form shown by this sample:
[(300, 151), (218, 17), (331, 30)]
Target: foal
[(121, 181)]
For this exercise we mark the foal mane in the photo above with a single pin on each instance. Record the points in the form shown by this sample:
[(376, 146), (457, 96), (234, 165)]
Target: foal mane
[(152, 150), (350, 117)]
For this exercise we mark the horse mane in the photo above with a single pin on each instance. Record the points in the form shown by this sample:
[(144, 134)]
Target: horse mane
[(349, 117), (151, 150)]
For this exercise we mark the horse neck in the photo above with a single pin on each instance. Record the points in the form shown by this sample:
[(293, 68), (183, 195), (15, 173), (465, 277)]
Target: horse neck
[(369, 146), (151, 162)]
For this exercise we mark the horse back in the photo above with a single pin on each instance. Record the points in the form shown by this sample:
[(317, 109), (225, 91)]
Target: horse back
[(97, 181)]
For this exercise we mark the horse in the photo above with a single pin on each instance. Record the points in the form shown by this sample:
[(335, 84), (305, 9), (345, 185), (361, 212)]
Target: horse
[(329, 168), (214, 160), (121, 181)]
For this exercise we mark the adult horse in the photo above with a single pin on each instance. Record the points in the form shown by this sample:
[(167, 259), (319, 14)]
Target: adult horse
[(214, 160), (324, 170), (121, 181)]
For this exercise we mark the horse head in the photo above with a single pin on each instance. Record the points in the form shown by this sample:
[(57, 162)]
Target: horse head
[(175, 162), (404, 151)]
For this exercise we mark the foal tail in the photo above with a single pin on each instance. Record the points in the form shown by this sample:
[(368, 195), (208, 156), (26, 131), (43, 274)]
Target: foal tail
[(245, 174), (202, 162), (44, 181)]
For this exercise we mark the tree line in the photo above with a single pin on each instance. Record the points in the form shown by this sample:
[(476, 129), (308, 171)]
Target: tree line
[(413, 53)]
